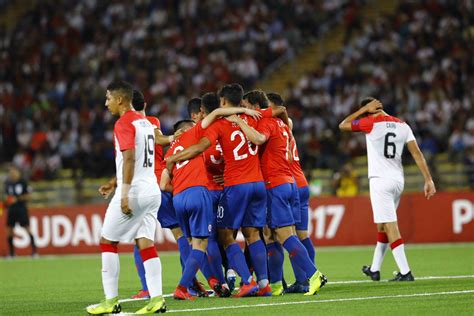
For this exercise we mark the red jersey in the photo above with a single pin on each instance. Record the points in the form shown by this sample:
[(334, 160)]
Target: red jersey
[(274, 156), (295, 166), (242, 164), (214, 160), (158, 149), (188, 173)]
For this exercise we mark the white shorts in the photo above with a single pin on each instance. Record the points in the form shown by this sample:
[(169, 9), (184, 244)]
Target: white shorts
[(142, 224), (384, 197)]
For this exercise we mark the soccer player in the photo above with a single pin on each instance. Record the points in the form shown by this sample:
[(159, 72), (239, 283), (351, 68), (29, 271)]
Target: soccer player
[(303, 193), (282, 195), (243, 201), (17, 194), (386, 136), (131, 214)]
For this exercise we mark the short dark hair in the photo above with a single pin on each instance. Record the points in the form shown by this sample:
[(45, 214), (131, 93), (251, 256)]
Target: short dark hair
[(366, 101), (122, 87), (233, 93), (275, 98), (257, 97), (138, 100), (210, 102), (194, 106), (181, 124)]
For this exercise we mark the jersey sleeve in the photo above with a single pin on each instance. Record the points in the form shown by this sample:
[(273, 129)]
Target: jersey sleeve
[(154, 121), (266, 113), (410, 135), (212, 132), (264, 128), (125, 133), (363, 125)]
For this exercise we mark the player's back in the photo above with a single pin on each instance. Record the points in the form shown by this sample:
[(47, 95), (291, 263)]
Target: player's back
[(385, 141), (274, 154), (213, 157), (158, 149), (134, 131), (295, 165), (241, 161)]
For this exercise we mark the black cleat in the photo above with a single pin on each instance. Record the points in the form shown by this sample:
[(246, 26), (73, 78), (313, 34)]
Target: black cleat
[(375, 276), (403, 277), (298, 287)]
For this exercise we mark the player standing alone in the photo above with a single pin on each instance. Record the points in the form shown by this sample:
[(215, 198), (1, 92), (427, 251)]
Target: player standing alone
[(386, 136), (131, 214)]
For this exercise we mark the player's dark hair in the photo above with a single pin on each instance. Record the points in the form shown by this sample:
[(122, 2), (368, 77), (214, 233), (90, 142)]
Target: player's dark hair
[(122, 87), (366, 101), (275, 98), (210, 102), (181, 124), (138, 100), (194, 106), (232, 93), (257, 97)]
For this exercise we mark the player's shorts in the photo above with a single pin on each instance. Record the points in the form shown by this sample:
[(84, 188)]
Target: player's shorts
[(142, 224), (166, 213), (280, 205), (295, 206), (215, 198), (194, 212), (18, 214), (384, 197), (243, 205), (303, 193)]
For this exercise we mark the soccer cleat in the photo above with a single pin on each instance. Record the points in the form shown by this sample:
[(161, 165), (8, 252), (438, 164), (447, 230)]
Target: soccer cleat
[(110, 306), (316, 282), (141, 295), (155, 305), (265, 291), (403, 277), (298, 287), (375, 276), (247, 289), (221, 290), (181, 293), (231, 278), (277, 289), (199, 288)]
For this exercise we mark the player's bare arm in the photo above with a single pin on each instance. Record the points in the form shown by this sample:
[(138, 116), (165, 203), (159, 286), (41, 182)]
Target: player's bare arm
[(253, 135), (372, 107), (128, 172), (188, 153), (417, 155), (165, 182), (280, 112), (209, 119), (106, 189), (165, 140)]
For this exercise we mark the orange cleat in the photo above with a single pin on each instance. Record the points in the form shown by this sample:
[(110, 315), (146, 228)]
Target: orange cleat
[(247, 289), (142, 294), (265, 291), (181, 293)]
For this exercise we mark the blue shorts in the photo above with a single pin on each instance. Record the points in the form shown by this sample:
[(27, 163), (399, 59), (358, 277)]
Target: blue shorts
[(280, 205), (194, 212), (215, 198), (295, 206), (243, 205), (304, 208), (166, 213)]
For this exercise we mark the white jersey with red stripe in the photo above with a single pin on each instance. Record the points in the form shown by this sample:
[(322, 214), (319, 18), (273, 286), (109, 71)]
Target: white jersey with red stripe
[(386, 136), (134, 131)]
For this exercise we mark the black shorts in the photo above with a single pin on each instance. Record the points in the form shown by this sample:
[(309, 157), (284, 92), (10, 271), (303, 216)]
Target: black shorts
[(18, 215)]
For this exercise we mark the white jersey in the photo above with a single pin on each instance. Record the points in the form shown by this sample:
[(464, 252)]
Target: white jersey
[(386, 136), (134, 131)]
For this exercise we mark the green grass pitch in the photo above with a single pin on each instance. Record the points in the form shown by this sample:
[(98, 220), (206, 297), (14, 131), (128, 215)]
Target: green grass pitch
[(66, 285)]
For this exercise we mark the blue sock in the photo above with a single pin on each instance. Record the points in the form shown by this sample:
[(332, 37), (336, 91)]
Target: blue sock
[(215, 260), (299, 256), (300, 275), (308, 244), (275, 261), (258, 253), (193, 263), (206, 268), (184, 249), (140, 267), (236, 259)]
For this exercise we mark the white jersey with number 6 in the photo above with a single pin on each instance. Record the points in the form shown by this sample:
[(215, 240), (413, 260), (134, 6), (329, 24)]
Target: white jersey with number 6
[(386, 136)]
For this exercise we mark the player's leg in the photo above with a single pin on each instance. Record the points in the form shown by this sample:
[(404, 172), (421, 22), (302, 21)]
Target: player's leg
[(24, 222), (276, 258), (183, 245), (11, 248), (398, 250), (373, 271), (302, 226), (143, 293)]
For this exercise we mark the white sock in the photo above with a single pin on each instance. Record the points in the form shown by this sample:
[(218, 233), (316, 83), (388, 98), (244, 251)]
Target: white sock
[(110, 274), (262, 283), (400, 258), (379, 254), (153, 276)]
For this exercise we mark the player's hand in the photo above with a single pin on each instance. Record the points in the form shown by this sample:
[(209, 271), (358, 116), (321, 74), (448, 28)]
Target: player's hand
[(255, 114), (170, 164), (232, 118), (219, 179), (178, 133), (374, 106), (430, 189), (106, 189), (125, 207)]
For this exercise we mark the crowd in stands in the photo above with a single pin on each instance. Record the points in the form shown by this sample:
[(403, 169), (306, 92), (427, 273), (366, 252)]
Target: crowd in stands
[(57, 60)]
